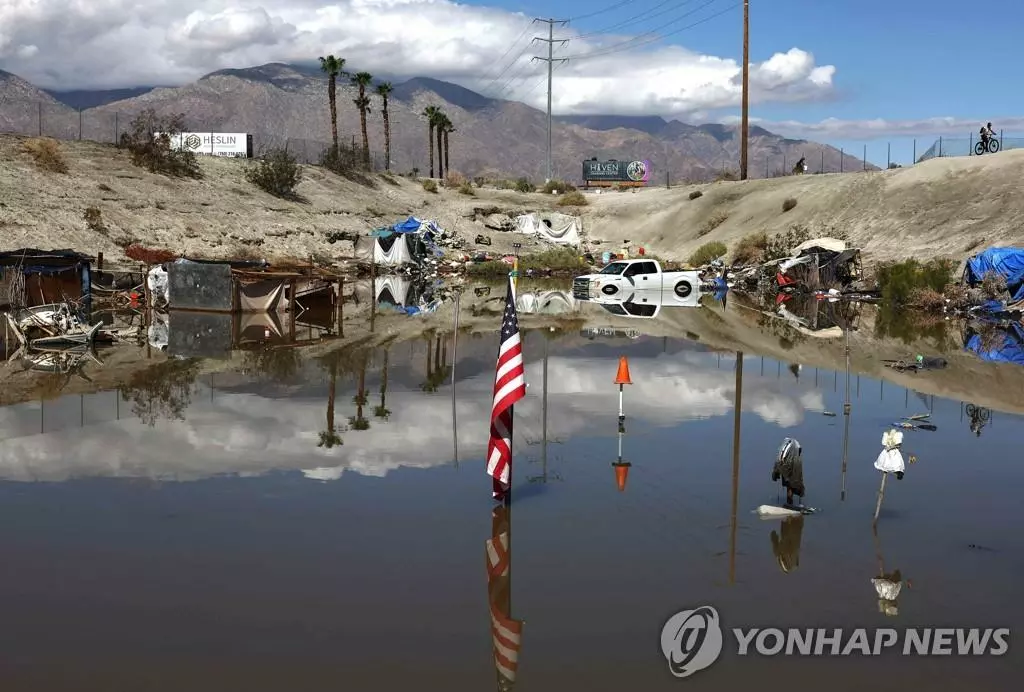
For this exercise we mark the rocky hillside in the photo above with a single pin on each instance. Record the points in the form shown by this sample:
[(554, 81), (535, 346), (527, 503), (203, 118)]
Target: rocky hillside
[(284, 103)]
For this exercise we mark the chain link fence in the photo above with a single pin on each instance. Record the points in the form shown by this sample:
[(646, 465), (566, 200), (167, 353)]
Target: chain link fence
[(38, 119)]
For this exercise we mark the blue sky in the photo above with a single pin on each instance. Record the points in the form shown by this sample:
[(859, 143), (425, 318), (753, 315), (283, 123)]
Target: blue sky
[(895, 59)]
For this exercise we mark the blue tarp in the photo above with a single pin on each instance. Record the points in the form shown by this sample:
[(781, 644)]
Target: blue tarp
[(1011, 350), (1007, 262)]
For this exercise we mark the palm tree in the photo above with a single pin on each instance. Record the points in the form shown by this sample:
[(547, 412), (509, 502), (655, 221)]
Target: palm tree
[(384, 90), (439, 127), (328, 438), (333, 67), (358, 422), (382, 410), (431, 113), (363, 80), (448, 129)]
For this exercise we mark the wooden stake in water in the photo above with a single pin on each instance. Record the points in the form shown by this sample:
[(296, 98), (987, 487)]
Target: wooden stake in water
[(881, 495)]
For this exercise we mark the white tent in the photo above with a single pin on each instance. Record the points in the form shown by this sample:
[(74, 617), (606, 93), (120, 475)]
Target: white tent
[(392, 251), (545, 303), (560, 229), (393, 289)]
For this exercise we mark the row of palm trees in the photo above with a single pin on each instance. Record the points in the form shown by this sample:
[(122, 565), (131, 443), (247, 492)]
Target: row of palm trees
[(437, 121)]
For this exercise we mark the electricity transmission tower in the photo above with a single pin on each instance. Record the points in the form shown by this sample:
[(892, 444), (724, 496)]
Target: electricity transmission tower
[(550, 60)]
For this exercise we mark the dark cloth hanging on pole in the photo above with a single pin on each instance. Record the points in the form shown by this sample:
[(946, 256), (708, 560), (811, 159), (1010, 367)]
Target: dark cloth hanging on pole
[(789, 466)]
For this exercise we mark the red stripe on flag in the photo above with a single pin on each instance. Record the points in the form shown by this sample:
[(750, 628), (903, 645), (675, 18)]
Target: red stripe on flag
[(509, 387)]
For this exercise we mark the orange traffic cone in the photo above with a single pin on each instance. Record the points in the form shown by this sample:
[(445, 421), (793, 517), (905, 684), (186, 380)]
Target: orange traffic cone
[(621, 474), (622, 376)]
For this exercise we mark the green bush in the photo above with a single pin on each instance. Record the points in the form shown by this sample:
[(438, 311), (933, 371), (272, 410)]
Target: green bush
[(716, 220), (277, 173), (898, 281), (467, 189), (696, 194), (788, 204), (524, 185), (573, 199), (707, 253), (781, 245), (429, 185)]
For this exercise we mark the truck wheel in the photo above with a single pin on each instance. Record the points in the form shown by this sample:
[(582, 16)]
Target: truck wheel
[(610, 289), (683, 289)]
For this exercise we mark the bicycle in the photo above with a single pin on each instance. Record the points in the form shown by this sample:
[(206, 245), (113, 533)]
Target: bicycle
[(991, 147)]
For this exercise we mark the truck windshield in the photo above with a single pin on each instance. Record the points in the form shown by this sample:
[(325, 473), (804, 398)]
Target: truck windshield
[(614, 268)]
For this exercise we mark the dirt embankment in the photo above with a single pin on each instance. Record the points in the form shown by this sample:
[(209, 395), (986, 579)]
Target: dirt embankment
[(948, 206), (223, 215)]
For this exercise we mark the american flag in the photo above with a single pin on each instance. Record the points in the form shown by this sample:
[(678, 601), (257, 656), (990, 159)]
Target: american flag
[(506, 633), (509, 387)]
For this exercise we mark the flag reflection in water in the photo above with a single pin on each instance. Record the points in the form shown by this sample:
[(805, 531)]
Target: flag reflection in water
[(506, 632)]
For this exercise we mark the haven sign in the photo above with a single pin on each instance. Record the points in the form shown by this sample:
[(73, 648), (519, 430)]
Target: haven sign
[(234, 144), (616, 172)]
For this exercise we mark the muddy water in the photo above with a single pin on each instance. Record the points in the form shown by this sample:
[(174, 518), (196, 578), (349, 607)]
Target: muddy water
[(212, 533)]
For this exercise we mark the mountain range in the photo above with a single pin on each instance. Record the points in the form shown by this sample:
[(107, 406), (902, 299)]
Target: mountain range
[(279, 103)]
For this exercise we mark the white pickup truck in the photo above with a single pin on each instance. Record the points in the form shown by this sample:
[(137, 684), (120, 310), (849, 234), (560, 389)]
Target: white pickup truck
[(635, 280)]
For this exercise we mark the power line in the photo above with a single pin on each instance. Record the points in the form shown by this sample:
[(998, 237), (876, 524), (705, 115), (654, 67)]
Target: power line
[(634, 43), (510, 47), (637, 18), (597, 12), (514, 60)]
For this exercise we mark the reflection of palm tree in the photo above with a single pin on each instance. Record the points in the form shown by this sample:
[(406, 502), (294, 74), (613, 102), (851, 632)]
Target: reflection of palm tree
[(437, 368), (382, 410), (328, 438), (358, 421)]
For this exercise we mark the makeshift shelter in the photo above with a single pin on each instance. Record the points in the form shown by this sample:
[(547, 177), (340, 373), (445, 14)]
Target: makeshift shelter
[(553, 227), (30, 277), (406, 242), (819, 264), (996, 343), (1005, 262)]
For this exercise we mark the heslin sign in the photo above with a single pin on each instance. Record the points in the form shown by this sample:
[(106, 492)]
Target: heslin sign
[(607, 173)]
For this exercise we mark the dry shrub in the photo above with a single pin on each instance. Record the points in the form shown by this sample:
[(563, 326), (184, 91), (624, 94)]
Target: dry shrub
[(788, 204), (727, 176), (148, 140), (696, 194), (525, 185), (467, 189), (429, 185), (46, 153), (959, 296), (708, 252), (716, 220), (750, 249), (93, 218), (277, 173), (994, 285), (454, 180), (148, 255), (573, 199), (927, 299), (560, 186)]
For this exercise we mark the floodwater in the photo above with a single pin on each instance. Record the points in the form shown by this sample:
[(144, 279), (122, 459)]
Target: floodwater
[(204, 534)]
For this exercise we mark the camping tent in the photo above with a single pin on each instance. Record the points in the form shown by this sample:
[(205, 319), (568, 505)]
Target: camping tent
[(406, 242), (560, 229)]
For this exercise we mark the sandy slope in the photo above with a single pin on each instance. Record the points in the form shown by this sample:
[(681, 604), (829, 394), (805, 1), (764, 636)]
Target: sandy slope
[(946, 206)]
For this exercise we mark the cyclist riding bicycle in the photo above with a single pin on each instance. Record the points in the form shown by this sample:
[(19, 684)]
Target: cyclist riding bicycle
[(987, 133)]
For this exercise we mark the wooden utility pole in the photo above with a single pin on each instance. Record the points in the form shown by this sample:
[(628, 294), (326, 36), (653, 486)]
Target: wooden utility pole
[(745, 123)]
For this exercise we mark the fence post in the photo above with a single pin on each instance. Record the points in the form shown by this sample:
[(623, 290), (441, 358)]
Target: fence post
[(865, 159), (915, 150), (40, 117), (940, 147), (888, 155), (842, 156)]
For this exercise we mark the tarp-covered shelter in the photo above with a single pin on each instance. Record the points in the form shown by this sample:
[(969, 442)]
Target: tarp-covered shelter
[(31, 277), (406, 242), (1005, 262), (553, 227), (820, 263), (996, 343)]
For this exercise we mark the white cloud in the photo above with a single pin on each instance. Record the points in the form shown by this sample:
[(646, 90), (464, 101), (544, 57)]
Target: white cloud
[(248, 434), (834, 128), (118, 43)]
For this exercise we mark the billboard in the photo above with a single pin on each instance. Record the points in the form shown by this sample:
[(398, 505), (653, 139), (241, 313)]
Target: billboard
[(614, 172), (232, 144)]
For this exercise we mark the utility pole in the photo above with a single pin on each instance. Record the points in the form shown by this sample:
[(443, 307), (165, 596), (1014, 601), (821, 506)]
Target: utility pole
[(745, 123), (550, 60)]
